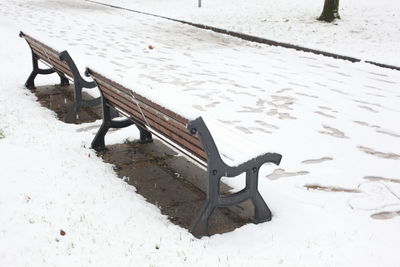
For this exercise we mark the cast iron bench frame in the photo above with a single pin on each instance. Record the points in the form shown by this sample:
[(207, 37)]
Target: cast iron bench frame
[(191, 137), (62, 64)]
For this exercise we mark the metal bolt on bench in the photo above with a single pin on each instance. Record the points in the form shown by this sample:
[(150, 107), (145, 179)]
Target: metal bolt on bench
[(62, 64), (192, 138)]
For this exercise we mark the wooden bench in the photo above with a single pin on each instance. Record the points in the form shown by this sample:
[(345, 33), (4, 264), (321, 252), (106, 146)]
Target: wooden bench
[(191, 137), (62, 64)]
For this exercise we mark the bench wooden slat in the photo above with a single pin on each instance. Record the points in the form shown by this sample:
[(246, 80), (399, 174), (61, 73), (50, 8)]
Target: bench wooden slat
[(143, 99), (53, 61), (49, 55), (41, 48), (151, 114), (158, 125), (196, 151), (50, 58), (32, 40), (46, 51), (169, 124), (116, 103)]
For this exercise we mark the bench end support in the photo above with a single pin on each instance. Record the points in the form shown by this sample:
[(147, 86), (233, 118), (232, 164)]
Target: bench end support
[(261, 211), (109, 114), (217, 169)]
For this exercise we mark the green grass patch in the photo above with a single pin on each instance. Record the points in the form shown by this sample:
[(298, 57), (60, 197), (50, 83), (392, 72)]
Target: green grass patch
[(2, 134), (159, 160), (133, 143)]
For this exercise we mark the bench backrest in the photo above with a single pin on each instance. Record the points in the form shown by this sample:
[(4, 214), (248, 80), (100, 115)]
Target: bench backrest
[(48, 55), (162, 122)]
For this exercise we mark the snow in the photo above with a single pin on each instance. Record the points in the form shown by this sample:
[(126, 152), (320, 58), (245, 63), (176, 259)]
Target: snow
[(335, 123), (368, 29)]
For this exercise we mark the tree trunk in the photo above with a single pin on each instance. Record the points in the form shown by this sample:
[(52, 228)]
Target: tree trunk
[(330, 11)]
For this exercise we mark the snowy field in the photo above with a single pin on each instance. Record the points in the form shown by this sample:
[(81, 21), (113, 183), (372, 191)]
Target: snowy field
[(335, 198), (369, 29)]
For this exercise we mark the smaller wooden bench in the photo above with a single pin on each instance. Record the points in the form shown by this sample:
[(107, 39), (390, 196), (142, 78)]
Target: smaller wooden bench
[(62, 64), (191, 137)]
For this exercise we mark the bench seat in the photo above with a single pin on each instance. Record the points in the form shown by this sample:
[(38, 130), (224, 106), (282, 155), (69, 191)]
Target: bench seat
[(189, 136)]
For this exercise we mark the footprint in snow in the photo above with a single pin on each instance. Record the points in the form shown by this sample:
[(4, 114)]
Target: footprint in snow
[(279, 173), (314, 161), (375, 196), (379, 154), (333, 132)]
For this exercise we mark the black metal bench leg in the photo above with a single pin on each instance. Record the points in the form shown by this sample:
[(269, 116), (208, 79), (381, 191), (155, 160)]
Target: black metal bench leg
[(63, 80), (98, 142), (30, 82), (199, 225), (261, 211), (109, 114), (145, 136)]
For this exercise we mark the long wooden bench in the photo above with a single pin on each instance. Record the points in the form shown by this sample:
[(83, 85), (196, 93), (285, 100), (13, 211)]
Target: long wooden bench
[(191, 137), (62, 64)]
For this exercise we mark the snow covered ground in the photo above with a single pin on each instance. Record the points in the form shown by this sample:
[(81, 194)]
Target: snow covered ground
[(369, 29), (335, 122)]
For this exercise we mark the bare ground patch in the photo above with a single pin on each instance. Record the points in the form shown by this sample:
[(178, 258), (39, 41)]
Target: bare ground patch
[(330, 188)]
